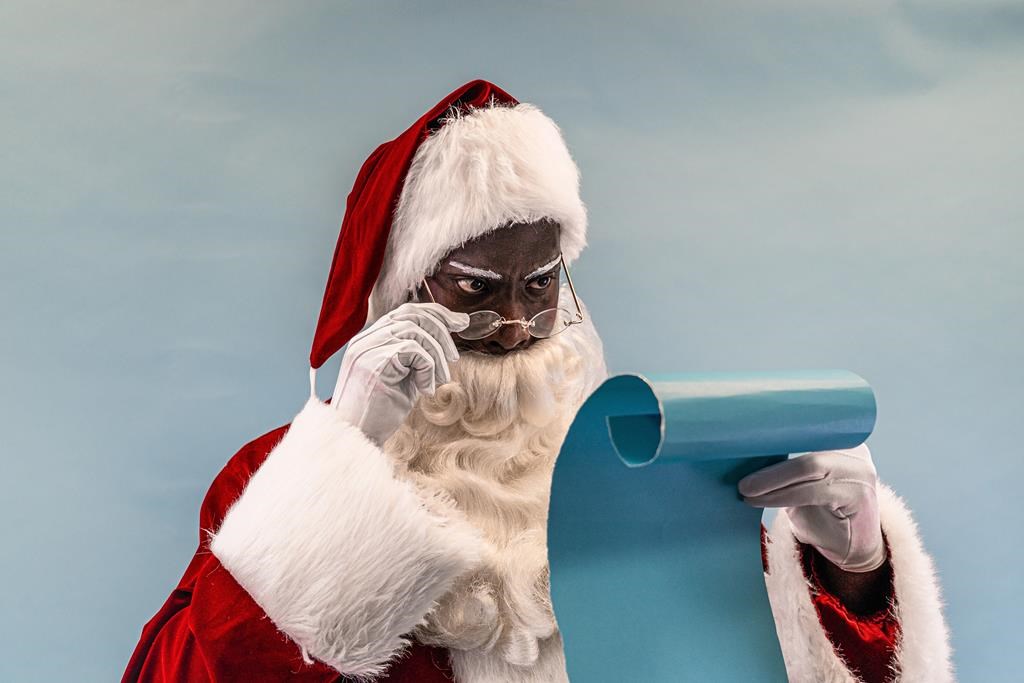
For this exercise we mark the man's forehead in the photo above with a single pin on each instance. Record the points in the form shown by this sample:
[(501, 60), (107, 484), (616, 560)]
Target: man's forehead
[(491, 272)]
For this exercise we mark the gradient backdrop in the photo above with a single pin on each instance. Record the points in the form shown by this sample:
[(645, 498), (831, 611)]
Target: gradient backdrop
[(771, 186)]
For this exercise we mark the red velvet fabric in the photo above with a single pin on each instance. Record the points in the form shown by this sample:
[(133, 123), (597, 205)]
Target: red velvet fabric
[(210, 629), (867, 643), (359, 253)]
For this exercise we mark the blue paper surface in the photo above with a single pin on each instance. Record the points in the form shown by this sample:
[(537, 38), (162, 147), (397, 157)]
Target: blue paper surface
[(656, 570)]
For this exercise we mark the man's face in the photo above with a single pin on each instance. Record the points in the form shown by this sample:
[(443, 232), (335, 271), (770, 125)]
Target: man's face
[(512, 271)]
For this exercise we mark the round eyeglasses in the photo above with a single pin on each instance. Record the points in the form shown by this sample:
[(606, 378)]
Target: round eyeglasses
[(547, 323)]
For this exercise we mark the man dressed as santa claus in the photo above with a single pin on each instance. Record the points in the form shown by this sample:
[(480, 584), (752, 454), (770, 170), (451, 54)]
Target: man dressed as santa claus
[(398, 532)]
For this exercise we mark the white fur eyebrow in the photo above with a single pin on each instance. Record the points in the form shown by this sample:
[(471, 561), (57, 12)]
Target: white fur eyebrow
[(543, 269), (479, 272)]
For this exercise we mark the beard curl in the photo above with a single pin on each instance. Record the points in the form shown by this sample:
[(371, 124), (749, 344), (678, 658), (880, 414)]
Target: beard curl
[(487, 442)]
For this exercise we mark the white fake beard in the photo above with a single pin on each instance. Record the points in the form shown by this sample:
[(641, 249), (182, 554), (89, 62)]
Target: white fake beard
[(488, 441)]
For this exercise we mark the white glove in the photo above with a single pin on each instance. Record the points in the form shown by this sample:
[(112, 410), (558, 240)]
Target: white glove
[(831, 498), (385, 366)]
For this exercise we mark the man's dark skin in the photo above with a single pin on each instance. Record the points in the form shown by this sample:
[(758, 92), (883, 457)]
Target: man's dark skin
[(862, 593), (515, 253)]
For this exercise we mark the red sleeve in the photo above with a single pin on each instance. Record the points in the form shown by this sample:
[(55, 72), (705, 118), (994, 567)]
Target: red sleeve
[(217, 634), (211, 631), (867, 643)]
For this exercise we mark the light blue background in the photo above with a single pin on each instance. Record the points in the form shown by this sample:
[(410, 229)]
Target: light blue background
[(769, 187)]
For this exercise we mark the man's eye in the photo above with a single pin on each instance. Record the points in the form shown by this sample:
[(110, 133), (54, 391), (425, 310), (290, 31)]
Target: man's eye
[(542, 282), (471, 285)]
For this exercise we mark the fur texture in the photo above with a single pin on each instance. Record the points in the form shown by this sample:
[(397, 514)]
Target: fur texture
[(343, 557), (348, 548), (923, 653), (478, 172), (482, 666), (488, 440)]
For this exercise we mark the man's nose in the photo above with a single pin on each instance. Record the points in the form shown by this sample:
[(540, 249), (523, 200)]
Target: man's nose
[(509, 337)]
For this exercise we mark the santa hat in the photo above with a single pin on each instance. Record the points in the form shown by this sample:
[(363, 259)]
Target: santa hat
[(477, 161)]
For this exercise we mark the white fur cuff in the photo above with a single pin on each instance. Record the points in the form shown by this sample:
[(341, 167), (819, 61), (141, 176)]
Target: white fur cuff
[(343, 557), (923, 651)]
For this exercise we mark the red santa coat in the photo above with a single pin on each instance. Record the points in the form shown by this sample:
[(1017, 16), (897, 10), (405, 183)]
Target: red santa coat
[(212, 629)]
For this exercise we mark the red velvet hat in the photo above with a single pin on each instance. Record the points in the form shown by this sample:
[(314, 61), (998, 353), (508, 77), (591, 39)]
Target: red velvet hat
[(475, 162)]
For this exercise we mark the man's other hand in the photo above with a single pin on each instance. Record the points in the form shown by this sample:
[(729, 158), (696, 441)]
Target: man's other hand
[(832, 502)]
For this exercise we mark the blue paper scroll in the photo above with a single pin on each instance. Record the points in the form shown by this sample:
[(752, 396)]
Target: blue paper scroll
[(655, 560)]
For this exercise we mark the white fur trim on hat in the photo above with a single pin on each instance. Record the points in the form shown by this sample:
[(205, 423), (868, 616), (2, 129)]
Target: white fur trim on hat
[(479, 171)]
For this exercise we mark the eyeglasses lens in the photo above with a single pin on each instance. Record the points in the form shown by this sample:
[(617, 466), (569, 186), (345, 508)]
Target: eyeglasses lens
[(481, 324), (550, 322)]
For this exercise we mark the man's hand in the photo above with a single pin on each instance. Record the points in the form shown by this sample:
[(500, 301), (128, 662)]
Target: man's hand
[(385, 366), (832, 502)]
